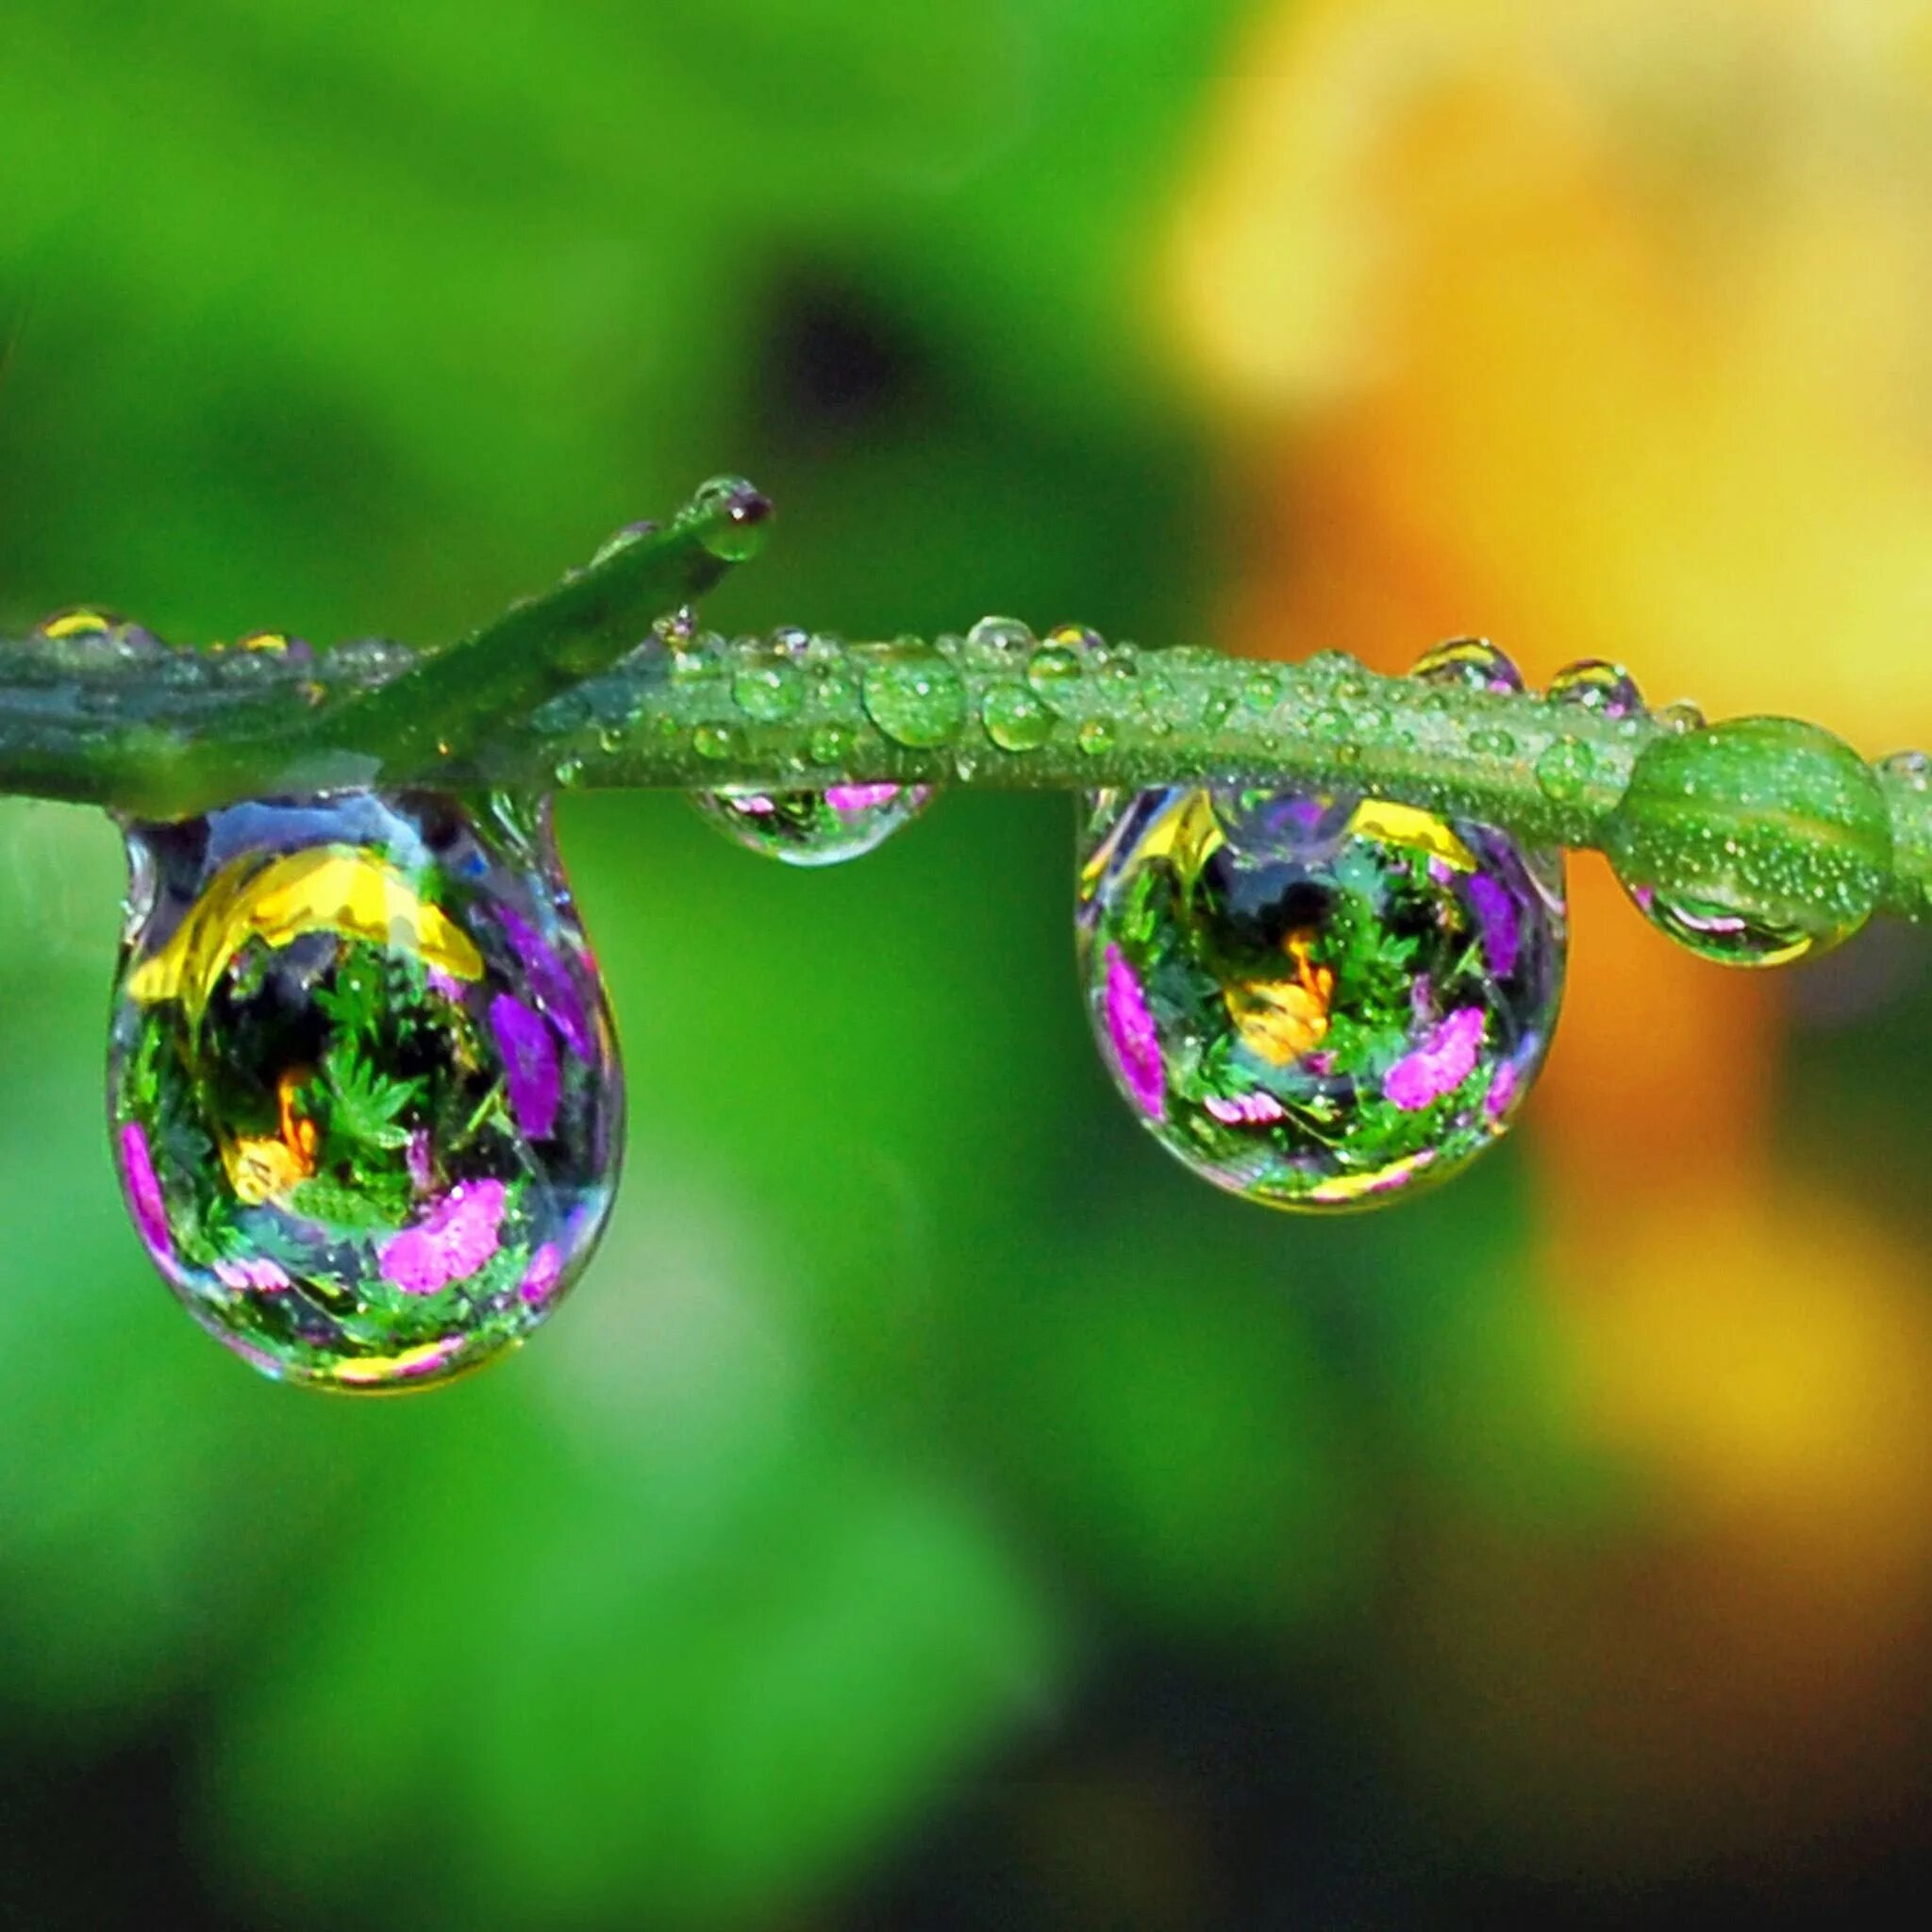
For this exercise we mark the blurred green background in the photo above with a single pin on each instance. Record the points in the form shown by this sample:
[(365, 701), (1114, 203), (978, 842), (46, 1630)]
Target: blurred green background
[(935, 1508)]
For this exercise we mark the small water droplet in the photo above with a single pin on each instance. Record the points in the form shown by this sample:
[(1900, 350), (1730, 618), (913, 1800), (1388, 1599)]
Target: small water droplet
[(1469, 664), (1097, 737), (1597, 685), (769, 687), (1053, 670), (745, 523), (1262, 690), (1316, 1001), (1681, 716), (1912, 769), (1565, 770), (1001, 637), (812, 828), (363, 1086), (914, 695), (1493, 743), (569, 771), (1015, 719), (714, 741), (1217, 707), (676, 626), (829, 743)]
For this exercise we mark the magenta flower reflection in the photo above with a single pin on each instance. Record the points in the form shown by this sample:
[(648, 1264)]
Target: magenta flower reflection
[(145, 1192), (1440, 1065), (529, 1064), (551, 984), (1131, 1027), (450, 1244), (541, 1277)]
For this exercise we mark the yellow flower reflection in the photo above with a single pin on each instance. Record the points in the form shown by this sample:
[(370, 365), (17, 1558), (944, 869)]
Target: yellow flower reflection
[(327, 889)]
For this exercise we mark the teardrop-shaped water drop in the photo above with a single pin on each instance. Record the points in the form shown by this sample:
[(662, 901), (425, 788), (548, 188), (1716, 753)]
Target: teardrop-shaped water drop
[(814, 827), (1316, 1001), (362, 1081), (1595, 684), (1469, 664)]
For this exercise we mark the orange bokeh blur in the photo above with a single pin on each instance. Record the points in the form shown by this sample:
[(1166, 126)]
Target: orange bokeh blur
[(1599, 329)]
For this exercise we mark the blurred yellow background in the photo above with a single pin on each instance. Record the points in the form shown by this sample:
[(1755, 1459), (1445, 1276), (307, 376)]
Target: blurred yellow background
[(935, 1509)]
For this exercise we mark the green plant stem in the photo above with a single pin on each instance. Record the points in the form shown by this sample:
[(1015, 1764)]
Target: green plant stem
[(572, 689)]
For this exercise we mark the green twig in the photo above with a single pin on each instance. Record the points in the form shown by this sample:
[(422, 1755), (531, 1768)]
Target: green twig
[(577, 689)]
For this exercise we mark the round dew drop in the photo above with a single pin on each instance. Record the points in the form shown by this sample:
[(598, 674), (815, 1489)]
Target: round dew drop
[(363, 1085), (812, 828), (1469, 664), (915, 696), (1702, 841), (1316, 1001), (1595, 684)]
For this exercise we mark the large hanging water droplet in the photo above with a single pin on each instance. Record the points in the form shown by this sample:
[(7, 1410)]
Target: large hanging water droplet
[(362, 1081), (1468, 664), (1702, 841), (814, 827), (914, 695), (1316, 1001)]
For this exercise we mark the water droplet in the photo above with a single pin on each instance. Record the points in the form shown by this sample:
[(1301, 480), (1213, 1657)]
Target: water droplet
[(769, 687), (1097, 737), (813, 828), (1079, 639), (1680, 716), (363, 1087), (829, 744), (1262, 690), (1493, 743), (1015, 720), (914, 695), (1702, 841), (1912, 769), (714, 741), (1217, 707), (1001, 637), (1054, 672), (1316, 1001), (1597, 685), (746, 517), (1564, 771), (676, 627), (1468, 664), (569, 771)]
